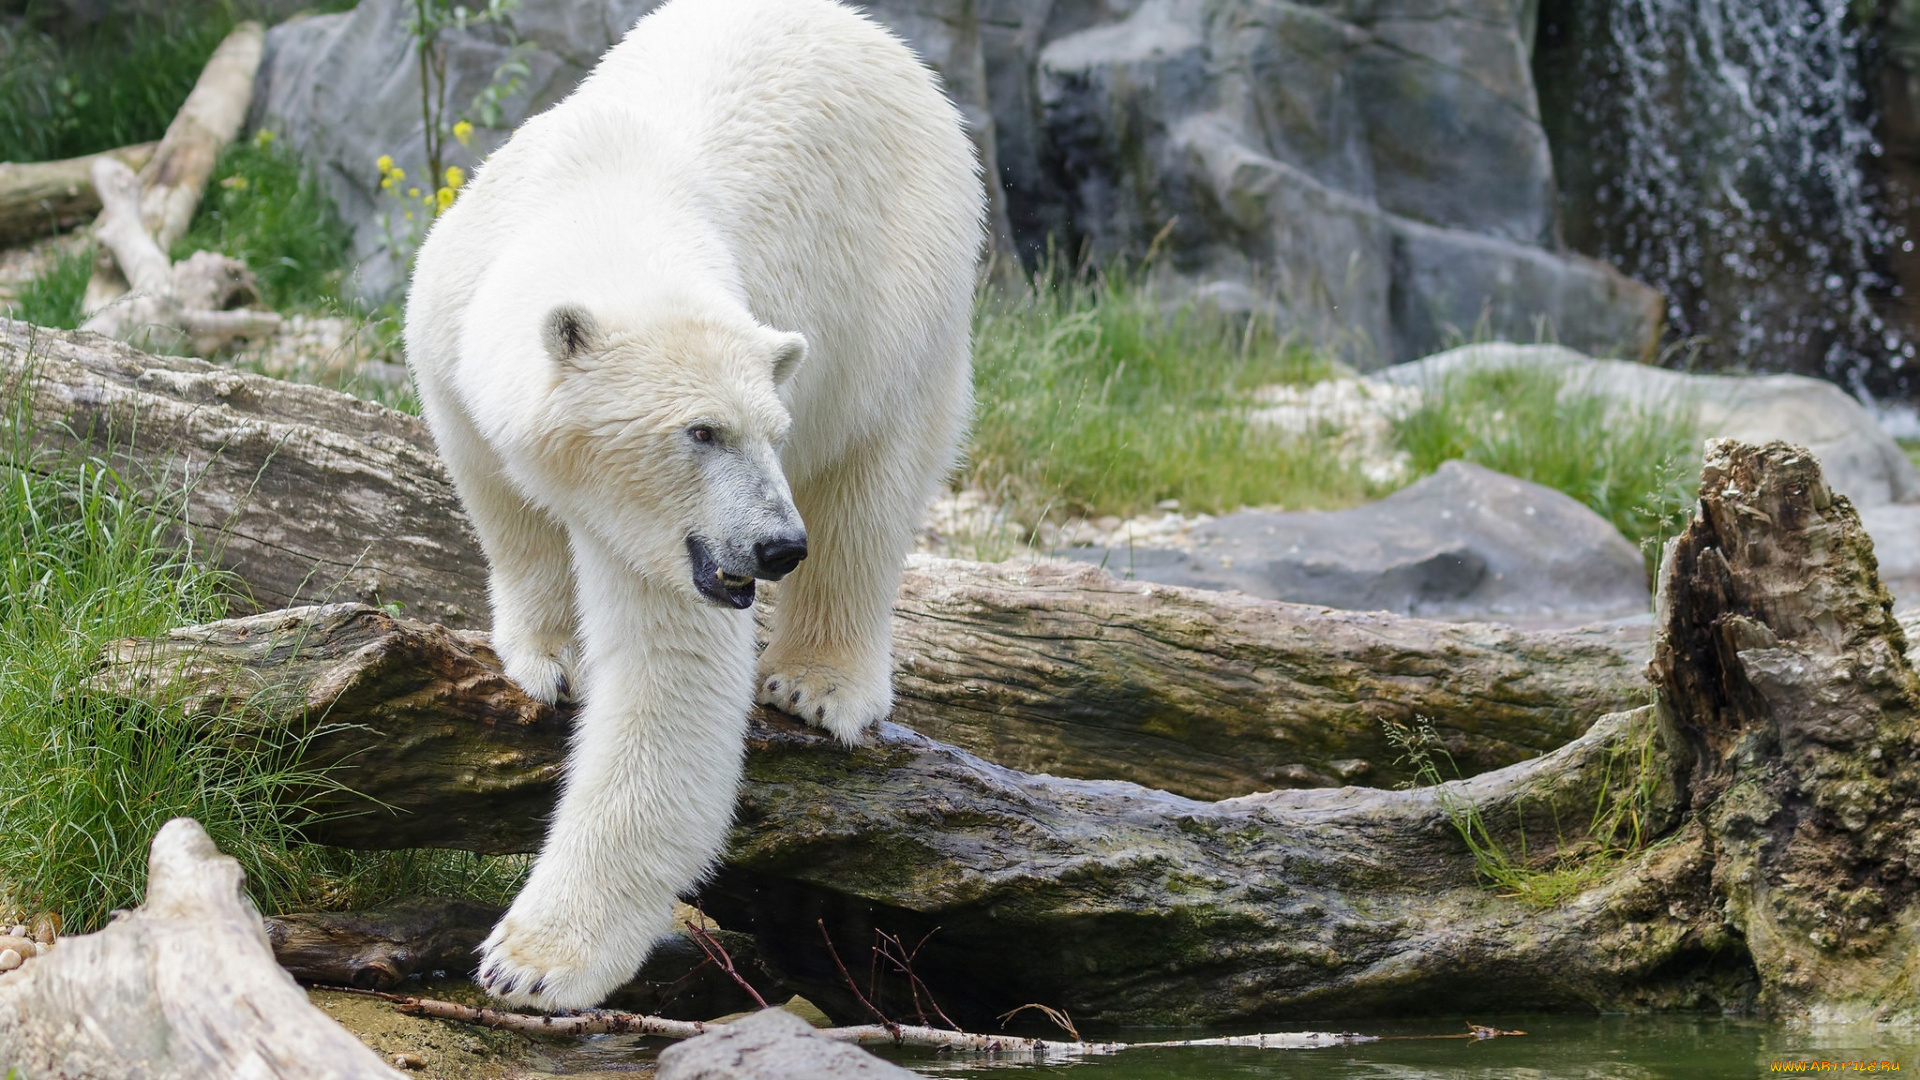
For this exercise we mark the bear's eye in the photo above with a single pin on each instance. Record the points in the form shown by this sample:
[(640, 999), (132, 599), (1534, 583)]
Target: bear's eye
[(700, 433)]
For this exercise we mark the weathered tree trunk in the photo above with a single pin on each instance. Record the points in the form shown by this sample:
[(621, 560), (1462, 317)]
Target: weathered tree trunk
[(303, 493), (172, 182), (38, 198), (172, 305), (309, 495), (184, 988), (1782, 780)]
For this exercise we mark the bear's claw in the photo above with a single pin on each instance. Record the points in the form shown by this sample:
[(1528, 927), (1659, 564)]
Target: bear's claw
[(827, 698)]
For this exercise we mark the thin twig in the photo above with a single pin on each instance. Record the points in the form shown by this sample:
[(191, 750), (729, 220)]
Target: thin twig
[(1059, 1017), (618, 1023), (709, 946), (851, 985), (914, 983)]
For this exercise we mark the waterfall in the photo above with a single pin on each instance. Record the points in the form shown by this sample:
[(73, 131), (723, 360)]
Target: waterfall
[(1730, 165)]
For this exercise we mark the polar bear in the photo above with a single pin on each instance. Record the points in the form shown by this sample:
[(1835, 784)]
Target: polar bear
[(703, 322)]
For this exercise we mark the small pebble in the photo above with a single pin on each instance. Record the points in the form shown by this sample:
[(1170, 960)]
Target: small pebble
[(9, 960), (407, 1059), (46, 929), (25, 946), (19, 930)]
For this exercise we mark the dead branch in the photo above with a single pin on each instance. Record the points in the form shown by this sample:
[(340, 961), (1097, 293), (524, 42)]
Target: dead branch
[(38, 198)]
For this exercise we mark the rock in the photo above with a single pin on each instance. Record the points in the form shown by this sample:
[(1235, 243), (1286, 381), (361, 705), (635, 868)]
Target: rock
[(1466, 542), (1383, 169), (20, 944), (772, 1044), (1859, 459), (344, 89), (1895, 529), (9, 959), (1379, 168)]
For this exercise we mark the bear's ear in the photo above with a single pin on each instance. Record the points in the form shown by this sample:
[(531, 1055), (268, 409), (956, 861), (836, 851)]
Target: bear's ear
[(788, 351), (571, 336)]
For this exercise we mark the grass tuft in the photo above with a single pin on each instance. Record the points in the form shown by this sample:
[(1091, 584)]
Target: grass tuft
[(1094, 397), (87, 776), (52, 297), (263, 205), (1636, 468)]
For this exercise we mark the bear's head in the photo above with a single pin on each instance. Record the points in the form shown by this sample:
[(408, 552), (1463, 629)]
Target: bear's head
[(670, 430)]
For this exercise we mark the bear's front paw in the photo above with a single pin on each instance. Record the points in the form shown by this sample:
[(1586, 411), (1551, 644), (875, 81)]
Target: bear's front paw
[(528, 964), (829, 698), (545, 674)]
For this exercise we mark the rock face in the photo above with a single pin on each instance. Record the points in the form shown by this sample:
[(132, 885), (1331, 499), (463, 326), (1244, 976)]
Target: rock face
[(1378, 166), (772, 1044), (1464, 542)]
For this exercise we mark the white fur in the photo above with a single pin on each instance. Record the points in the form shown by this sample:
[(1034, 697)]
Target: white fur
[(733, 173)]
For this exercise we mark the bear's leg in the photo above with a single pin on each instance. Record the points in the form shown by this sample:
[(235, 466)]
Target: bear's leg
[(649, 787), (830, 658), (529, 576)]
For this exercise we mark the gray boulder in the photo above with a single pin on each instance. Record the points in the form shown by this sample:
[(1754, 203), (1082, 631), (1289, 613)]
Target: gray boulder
[(1466, 542), (1859, 459), (772, 1044), (1375, 170)]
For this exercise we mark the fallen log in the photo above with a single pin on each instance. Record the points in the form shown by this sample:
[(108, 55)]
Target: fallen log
[(306, 495), (183, 988), (1790, 712), (195, 304), (171, 183), (39, 198)]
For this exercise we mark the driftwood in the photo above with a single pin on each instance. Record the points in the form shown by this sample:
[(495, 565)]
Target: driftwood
[(1791, 716), (38, 198), (184, 988), (191, 304), (172, 182), (309, 495)]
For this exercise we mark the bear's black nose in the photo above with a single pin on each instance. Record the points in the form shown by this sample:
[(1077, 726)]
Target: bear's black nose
[(778, 556)]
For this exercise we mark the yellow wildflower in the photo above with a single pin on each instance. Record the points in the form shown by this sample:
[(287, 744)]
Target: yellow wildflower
[(444, 198), (263, 138), (463, 132), (385, 164), (413, 193), (456, 176)]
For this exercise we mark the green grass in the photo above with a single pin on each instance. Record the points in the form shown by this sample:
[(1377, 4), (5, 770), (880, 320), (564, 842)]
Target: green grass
[(265, 206), (1912, 447), (87, 775), (52, 297), (1637, 469), (1094, 399), (68, 89)]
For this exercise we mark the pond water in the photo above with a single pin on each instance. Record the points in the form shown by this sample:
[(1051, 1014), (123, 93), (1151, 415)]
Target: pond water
[(1555, 1048)]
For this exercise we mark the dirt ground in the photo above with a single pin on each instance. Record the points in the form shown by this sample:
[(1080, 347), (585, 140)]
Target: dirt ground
[(453, 1051)]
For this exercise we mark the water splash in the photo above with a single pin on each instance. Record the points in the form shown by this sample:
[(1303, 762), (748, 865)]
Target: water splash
[(1732, 143)]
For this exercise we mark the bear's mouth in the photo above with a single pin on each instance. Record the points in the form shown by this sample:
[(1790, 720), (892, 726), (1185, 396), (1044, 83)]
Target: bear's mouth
[(715, 584)]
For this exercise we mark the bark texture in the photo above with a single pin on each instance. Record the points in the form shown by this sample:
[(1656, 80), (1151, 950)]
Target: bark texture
[(183, 988), (1780, 777), (305, 494), (38, 198)]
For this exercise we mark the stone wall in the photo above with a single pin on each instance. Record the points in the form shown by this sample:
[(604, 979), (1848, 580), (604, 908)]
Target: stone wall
[(1375, 170)]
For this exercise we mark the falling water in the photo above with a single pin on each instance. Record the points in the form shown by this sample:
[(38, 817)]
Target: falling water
[(1731, 149)]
